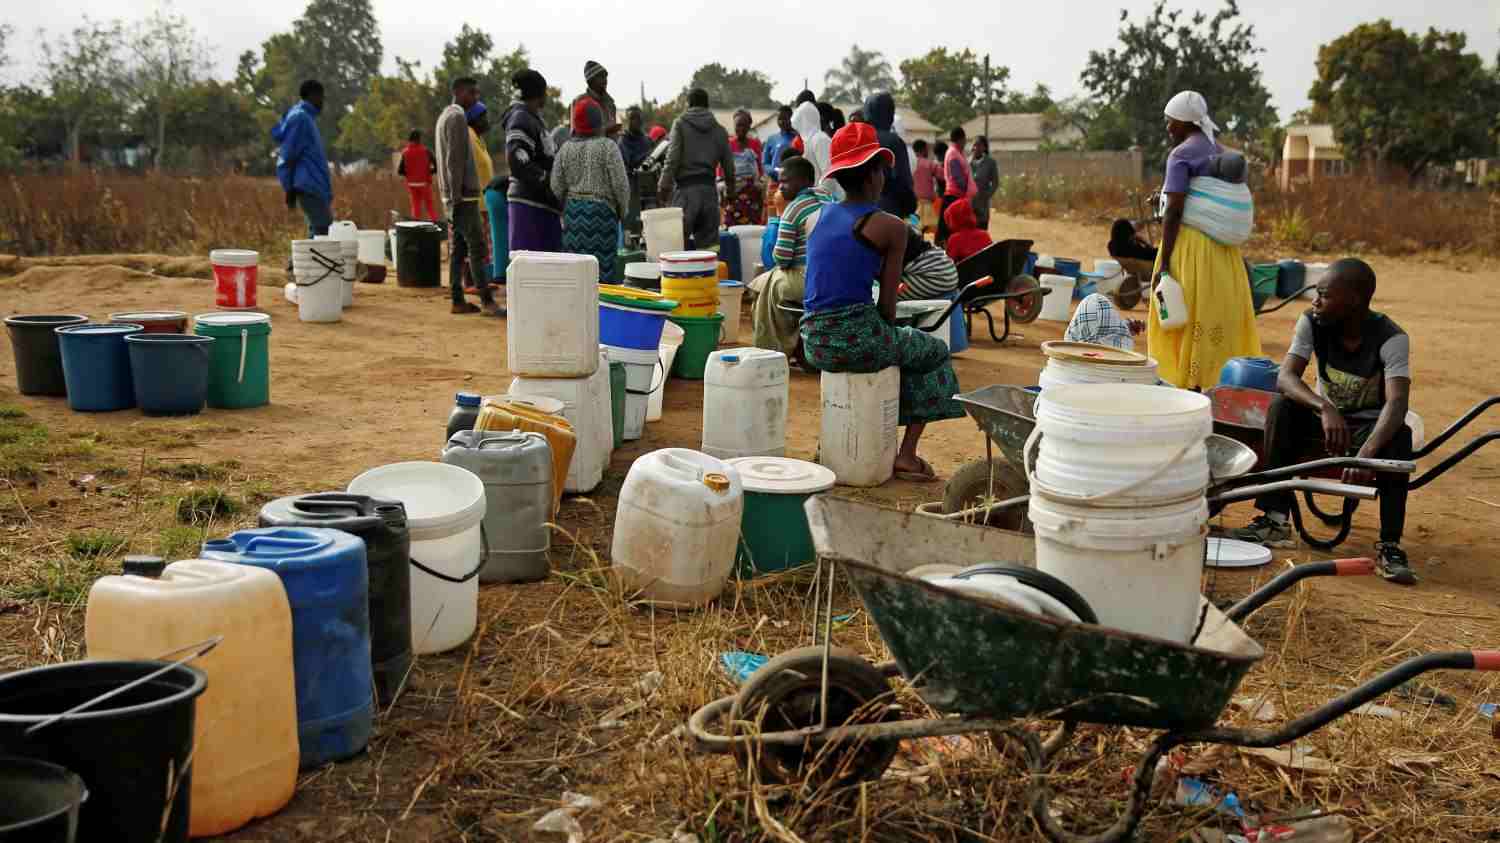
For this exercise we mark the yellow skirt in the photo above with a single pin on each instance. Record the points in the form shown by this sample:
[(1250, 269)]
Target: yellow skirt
[(1221, 316)]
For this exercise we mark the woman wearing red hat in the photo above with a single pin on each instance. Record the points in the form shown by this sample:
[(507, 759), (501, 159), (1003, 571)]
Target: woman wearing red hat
[(855, 245)]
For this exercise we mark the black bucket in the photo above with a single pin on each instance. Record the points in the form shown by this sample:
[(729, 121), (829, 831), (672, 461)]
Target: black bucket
[(131, 751), (39, 368), (41, 802)]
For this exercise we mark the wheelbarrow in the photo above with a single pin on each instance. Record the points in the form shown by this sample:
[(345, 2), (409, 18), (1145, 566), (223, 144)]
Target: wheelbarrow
[(1004, 261), (1240, 413), (823, 716), (995, 492)]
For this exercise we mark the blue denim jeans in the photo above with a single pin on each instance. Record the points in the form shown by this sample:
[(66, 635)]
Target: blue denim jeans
[(319, 213)]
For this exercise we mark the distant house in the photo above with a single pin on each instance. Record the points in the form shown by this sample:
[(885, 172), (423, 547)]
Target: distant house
[(1310, 153), (763, 122), (1021, 132)]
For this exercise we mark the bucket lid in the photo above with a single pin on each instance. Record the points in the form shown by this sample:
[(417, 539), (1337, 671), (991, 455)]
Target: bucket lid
[(148, 316), (232, 323), (441, 500), (1233, 553), (335, 510), (234, 256), (689, 257), (643, 270), (633, 298), (104, 329), (1087, 352), (782, 475), (736, 285)]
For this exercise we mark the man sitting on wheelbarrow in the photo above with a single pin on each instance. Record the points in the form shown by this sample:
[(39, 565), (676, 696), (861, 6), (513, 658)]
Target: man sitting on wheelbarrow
[(1364, 385)]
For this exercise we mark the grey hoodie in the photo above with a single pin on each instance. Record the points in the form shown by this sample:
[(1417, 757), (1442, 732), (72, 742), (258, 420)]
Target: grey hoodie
[(698, 146)]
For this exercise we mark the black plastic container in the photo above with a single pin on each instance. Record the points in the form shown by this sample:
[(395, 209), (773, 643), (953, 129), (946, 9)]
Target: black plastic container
[(419, 254), (131, 751), (40, 803), (39, 369), (464, 414), (382, 525)]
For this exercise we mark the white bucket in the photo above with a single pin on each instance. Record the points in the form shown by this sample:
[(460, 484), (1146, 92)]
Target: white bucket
[(1056, 304), (1063, 372), (444, 507), (671, 340), (731, 294), (1315, 273), (1139, 568), (582, 401), (663, 231), (945, 331), (317, 268), (371, 246), (641, 382), (351, 264), (1121, 445), (745, 398), (749, 237), (857, 436)]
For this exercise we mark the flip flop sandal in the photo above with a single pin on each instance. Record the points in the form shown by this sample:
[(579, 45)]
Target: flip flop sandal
[(927, 475)]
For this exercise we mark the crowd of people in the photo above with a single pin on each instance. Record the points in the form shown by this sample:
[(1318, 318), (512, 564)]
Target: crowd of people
[(854, 205)]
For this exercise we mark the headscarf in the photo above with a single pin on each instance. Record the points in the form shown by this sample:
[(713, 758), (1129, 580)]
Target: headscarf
[(588, 118), (529, 83), (656, 133), (591, 69), (1191, 107)]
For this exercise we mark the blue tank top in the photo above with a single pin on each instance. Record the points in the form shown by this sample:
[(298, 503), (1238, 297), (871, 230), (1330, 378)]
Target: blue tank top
[(840, 267)]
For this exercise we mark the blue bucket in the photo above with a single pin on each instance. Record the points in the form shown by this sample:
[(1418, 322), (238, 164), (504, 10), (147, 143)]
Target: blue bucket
[(1029, 268), (170, 372), (1067, 266), (1291, 278), (729, 252), (768, 243), (96, 366), (629, 327)]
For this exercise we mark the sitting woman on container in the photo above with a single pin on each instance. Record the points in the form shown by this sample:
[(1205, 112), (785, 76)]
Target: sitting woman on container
[(855, 245)]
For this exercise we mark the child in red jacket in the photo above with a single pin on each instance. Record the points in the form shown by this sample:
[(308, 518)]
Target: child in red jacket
[(965, 237)]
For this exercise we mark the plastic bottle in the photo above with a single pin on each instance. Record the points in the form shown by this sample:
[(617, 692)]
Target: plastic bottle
[(465, 413), (1171, 303)]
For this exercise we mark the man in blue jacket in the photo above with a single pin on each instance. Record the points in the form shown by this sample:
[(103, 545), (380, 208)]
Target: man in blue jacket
[(301, 165)]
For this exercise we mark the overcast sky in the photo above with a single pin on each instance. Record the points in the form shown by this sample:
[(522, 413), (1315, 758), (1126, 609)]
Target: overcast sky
[(660, 43)]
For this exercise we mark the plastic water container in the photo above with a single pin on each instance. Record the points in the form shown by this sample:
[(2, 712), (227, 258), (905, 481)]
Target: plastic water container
[(692, 280), (1170, 303), (731, 295), (676, 528), (1121, 445), (662, 228), (586, 408), (34, 342), (1138, 567), (745, 401), (239, 364), (371, 256), (96, 366), (154, 321), (631, 318), (169, 372), (236, 274), (444, 508), (245, 733), (643, 276), (1251, 372), (381, 524), (1067, 266), (671, 340), (774, 535), (857, 436), (553, 330), (417, 247), (729, 249), (641, 383), (1292, 276), (1055, 305), (318, 272), (1315, 273), (749, 237), (528, 413), (327, 585), (516, 469), (1071, 362)]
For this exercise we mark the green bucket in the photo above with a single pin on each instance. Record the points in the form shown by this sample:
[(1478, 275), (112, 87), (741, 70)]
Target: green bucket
[(622, 259), (774, 535), (239, 361), (700, 338), (1263, 278), (617, 400)]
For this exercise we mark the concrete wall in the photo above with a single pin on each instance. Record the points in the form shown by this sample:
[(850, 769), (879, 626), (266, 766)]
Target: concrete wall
[(1125, 165)]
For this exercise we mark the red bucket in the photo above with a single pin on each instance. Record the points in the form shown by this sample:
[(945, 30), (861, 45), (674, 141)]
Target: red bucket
[(155, 321), (236, 272)]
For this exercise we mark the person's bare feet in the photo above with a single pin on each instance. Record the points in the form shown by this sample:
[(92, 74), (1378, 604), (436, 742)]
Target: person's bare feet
[(914, 469)]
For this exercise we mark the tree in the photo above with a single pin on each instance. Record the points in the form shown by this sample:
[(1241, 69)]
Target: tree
[(732, 88), (165, 60), (1394, 98), (1103, 127), (83, 74), (6, 31), (948, 88), (1166, 53), (859, 74), (1036, 102)]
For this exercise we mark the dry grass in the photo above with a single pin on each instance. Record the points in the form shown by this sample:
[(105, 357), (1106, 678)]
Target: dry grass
[(94, 212), (567, 686)]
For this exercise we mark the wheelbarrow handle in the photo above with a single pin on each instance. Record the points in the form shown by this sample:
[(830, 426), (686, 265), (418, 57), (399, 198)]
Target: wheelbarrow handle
[(1361, 566), (1300, 484), (1367, 464)]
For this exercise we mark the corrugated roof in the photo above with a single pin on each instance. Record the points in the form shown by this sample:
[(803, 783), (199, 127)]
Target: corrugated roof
[(1008, 127)]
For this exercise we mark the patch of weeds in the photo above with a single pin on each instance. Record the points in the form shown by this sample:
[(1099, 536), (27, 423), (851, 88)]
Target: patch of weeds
[(24, 447), (200, 506), (10, 411), (111, 472), (193, 471), (64, 581), (95, 544), (175, 543)]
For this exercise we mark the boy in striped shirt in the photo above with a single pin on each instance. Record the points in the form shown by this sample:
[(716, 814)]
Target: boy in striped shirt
[(775, 329)]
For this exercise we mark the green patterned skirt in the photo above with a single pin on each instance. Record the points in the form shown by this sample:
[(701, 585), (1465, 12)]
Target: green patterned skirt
[(590, 227), (856, 339)]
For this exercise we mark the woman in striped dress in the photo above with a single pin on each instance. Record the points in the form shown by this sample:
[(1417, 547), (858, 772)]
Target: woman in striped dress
[(590, 182)]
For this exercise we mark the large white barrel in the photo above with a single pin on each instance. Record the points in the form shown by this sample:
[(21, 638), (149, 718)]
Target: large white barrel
[(857, 438)]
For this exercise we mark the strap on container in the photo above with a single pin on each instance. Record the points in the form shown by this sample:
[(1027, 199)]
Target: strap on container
[(244, 346)]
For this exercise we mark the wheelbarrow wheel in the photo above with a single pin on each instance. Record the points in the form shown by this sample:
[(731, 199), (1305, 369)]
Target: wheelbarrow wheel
[(784, 695), (970, 485), (1027, 308)]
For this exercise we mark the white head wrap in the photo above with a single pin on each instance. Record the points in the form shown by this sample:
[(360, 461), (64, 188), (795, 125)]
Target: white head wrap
[(1191, 107), (898, 126)]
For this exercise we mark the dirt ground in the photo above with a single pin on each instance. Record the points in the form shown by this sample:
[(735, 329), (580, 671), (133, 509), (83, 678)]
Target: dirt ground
[(491, 735)]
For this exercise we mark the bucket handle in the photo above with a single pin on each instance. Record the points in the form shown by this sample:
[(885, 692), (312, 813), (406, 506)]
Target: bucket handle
[(331, 268), (244, 344), (1036, 434), (484, 556), (682, 466), (202, 648), (659, 365)]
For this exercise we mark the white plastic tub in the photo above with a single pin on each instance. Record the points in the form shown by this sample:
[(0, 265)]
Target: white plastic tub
[(581, 399), (1056, 305), (745, 396), (641, 383), (444, 507), (317, 269), (857, 437), (662, 228), (671, 340), (553, 329), (676, 528), (731, 294)]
